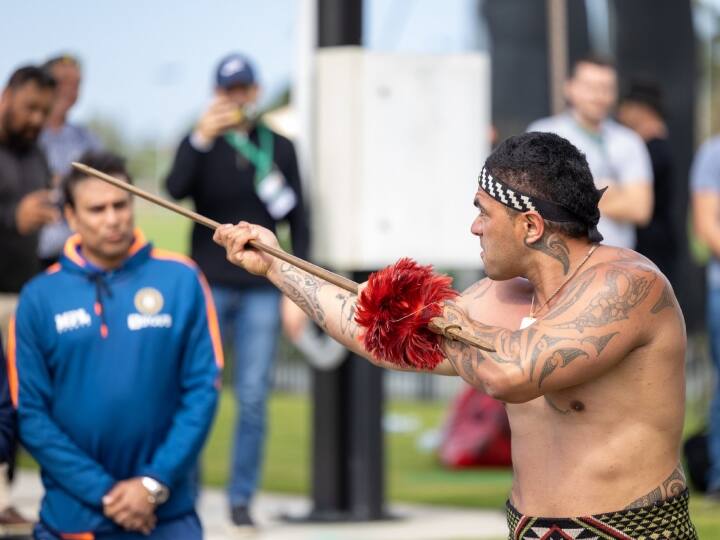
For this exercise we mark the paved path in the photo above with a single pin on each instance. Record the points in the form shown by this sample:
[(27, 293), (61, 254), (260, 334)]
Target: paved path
[(414, 522)]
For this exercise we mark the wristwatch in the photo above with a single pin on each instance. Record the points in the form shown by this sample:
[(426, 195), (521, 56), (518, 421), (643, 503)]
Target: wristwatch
[(157, 493)]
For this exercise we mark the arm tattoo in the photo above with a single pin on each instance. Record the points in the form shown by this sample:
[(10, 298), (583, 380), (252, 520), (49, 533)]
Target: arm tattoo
[(463, 358), (515, 347), (599, 342), (623, 291), (509, 351), (303, 288), (348, 325), (561, 358), (673, 485), (564, 356), (541, 346), (664, 301), (553, 245)]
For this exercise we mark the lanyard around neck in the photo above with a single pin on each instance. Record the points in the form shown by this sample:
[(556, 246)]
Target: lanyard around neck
[(260, 156)]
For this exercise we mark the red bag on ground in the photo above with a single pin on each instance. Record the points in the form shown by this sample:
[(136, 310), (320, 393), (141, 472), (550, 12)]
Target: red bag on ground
[(477, 434)]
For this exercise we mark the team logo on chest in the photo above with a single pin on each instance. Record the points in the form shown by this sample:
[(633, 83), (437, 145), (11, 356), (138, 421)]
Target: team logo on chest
[(149, 301), (72, 320)]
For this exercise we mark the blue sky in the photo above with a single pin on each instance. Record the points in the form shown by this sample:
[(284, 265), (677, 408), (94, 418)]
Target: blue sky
[(148, 64)]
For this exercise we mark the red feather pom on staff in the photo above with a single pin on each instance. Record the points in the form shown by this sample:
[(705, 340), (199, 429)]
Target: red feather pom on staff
[(395, 308)]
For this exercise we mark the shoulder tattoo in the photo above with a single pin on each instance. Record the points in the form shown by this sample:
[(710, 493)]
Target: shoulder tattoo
[(623, 290)]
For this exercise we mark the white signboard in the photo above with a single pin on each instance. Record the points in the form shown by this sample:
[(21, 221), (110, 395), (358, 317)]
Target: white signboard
[(400, 140)]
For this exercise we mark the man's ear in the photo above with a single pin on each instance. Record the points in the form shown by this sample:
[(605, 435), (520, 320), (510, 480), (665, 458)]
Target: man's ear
[(70, 216), (534, 226)]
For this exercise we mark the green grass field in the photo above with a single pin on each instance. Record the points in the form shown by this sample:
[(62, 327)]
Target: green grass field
[(411, 474)]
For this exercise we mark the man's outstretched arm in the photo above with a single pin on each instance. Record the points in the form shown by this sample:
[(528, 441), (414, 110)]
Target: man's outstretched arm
[(332, 308), (607, 312)]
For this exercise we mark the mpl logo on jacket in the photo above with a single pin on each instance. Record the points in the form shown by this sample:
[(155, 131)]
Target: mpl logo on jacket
[(72, 320), (149, 301)]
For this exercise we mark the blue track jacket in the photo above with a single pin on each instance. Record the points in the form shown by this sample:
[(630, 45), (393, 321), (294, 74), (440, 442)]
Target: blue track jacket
[(114, 375)]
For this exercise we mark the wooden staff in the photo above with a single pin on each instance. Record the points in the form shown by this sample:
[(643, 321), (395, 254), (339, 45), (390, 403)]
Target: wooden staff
[(438, 325)]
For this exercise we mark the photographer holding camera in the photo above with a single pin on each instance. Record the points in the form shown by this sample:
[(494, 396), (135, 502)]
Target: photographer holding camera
[(235, 168)]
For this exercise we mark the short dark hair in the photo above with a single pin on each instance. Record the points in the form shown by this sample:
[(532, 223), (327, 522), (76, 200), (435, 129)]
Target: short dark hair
[(645, 92), (593, 59), (27, 74), (549, 167), (103, 161)]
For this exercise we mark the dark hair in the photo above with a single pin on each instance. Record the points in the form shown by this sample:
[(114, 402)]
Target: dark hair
[(103, 161), (546, 166), (593, 59), (60, 59), (27, 74), (645, 92)]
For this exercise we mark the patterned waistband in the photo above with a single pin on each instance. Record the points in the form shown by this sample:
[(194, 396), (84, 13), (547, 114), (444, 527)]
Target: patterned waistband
[(665, 519)]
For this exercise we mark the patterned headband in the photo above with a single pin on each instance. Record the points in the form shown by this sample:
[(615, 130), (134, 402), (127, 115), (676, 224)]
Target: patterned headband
[(521, 202)]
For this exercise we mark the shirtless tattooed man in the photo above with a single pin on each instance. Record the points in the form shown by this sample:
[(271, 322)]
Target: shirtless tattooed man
[(589, 348)]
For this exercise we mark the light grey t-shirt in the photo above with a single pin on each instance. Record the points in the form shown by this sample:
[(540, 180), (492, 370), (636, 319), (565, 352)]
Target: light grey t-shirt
[(65, 145), (615, 153), (705, 177), (62, 147)]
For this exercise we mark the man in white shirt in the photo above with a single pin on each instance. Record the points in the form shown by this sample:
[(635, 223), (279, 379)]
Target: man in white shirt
[(617, 156)]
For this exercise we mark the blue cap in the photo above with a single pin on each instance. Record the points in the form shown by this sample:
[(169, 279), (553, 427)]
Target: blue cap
[(234, 69)]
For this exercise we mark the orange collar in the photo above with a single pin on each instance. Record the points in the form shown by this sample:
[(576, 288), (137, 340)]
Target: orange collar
[(74, 243)]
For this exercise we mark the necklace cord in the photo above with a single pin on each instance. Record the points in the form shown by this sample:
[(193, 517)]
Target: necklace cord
[(572, 275)]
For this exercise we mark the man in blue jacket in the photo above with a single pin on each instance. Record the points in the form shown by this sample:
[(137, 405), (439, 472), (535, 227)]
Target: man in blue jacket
[(117, 356)]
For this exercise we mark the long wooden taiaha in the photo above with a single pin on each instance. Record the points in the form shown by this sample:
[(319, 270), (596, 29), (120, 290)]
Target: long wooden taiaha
[(437, 325)]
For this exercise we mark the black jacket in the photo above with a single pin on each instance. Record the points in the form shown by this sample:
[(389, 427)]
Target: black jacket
[(221, 184), (20, 174)]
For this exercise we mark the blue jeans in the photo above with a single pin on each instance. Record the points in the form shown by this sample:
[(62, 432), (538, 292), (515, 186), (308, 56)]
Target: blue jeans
[(250, 326), (713, 320), (185, 528)]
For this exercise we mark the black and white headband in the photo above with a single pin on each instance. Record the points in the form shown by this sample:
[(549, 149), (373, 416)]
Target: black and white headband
[(522, 202)]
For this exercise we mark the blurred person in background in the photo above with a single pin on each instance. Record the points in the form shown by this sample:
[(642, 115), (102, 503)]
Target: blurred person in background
[(641, 110), (705, 189), (117, 358), (617, 156), (7, 412), (63, 142), (26, 204), (235, 168)]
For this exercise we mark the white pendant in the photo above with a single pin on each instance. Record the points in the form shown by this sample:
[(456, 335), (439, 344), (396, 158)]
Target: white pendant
[(526, 321)]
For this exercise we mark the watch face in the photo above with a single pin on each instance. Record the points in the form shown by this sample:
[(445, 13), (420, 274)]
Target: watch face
[(163, 495), (156, 490), (150, 484)]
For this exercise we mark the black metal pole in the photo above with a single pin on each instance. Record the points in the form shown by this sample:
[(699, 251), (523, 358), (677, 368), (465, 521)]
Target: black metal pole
[(365, 457), (347, 453)]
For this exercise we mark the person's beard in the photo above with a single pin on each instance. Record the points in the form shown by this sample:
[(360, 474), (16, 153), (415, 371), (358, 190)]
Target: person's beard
[(20, 140)]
